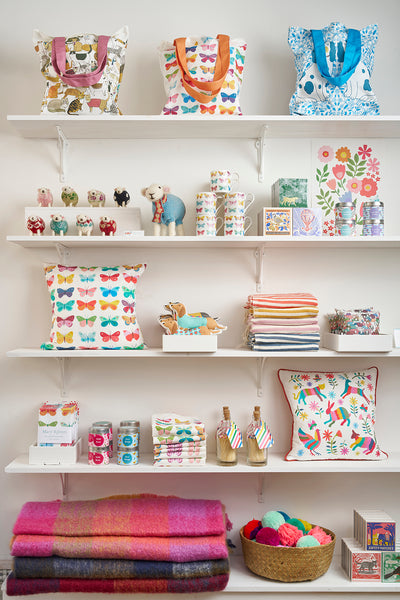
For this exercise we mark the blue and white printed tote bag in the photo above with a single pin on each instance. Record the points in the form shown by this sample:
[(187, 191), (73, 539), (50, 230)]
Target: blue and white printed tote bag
[(334, 67)]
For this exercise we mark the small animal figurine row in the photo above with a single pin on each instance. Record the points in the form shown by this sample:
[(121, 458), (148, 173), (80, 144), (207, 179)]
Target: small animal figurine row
[(178, 322), (70, 198), (59, 225), (168, 210)]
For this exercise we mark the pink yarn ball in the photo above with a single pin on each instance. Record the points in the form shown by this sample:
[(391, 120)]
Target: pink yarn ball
[(320, 535), (289, 534), (268, 536)]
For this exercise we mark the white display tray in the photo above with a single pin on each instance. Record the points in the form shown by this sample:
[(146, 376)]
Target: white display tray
[(358, 343), (55, 455), (189, 343)]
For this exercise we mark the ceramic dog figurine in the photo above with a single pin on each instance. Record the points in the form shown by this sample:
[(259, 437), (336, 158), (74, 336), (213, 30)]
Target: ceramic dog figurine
[(58, 225), (168, 210), (192, 320), (171, 327), (84, 225)]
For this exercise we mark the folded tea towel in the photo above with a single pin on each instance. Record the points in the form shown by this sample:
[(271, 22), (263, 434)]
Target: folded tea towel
[(170, 461), (282, 300), (56, 567), (179, 447), (178, 439), (288, 313), (176, 549), (22, 587), (165, 516), (195, 453), (283, 321), (278, 338), (258, 328), (167, 424)]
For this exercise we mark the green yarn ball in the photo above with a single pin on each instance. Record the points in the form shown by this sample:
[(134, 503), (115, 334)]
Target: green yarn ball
[(273, 519), (307, 541), (307, 525), (299, 524)]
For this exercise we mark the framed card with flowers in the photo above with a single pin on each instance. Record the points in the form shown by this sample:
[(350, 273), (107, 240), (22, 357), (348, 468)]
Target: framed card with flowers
[(342, 170)]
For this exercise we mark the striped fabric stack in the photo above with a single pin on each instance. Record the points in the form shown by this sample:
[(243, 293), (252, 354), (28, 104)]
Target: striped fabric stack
[(122, 544), (178, 440), (282, 322)]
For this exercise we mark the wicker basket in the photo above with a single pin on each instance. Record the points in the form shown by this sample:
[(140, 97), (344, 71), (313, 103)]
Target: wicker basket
[(288, 564)]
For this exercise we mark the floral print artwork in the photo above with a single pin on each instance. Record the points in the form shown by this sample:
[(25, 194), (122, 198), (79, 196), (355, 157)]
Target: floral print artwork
[(333, 414), (345, 173)]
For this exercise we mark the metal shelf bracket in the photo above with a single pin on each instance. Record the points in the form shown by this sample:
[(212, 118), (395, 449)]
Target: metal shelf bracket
[(63, 145), (64, 485), (63, 364), (259, 254), (261, 142), (260, 367), (63, 253)]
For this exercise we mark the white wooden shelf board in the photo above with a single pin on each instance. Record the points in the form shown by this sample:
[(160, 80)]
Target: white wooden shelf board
[(276, 464), (252, 242), (162, 127), (243, 581)]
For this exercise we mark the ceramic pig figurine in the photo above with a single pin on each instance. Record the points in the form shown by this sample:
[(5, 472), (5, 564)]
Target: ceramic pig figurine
[(121, 197), (58, 225), (35, 225), (84, 225), (69, 196), (44, 197), (107, 226), (96, 198)]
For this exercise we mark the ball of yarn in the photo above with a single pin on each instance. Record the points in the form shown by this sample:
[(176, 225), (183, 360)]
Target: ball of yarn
[(307, 541), (251, 528), (297, 523), (273, 519), (307, 525), (320, 535), (268, 536), (284, 515), (289, 534)]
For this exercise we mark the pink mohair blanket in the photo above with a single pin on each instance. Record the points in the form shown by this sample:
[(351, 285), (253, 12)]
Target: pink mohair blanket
[(178, 549), (139, 516)]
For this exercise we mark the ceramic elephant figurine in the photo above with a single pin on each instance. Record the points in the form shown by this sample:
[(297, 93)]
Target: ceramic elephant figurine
[(168, 210)]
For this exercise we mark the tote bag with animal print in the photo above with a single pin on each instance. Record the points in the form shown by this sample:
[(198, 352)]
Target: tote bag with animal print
[(83, 72)]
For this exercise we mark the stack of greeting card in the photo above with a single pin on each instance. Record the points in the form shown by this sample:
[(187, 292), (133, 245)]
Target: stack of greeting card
[(372, 554), (178, 440)]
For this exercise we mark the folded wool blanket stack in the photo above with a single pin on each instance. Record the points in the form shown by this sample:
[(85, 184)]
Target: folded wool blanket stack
[(178, 440), (282, 322), (146, 543)]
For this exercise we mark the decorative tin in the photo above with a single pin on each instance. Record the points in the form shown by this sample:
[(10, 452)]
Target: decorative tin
[(99, 437), (98, 455), (373, 210), (107, 424), (373, 227), (345, 210), (128, 436), (128, 456), (275, 221), (290, 192), (307, 221), (345, 227)]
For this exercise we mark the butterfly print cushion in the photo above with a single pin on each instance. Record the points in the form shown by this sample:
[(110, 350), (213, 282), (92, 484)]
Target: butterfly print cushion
[(94, 307)]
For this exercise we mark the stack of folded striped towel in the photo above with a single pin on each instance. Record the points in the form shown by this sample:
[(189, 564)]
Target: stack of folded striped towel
[(132, 544), (178, 440), (282, 322)]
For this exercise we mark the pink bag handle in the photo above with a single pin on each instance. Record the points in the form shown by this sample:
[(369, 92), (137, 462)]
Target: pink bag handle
[(58, 60)]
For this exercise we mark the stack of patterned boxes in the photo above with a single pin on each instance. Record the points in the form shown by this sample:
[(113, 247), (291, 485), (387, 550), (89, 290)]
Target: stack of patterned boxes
[(372, 554), (178, 440), (282, 322)]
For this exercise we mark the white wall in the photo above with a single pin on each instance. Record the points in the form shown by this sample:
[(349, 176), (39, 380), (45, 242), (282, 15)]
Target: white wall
[(128, 388)]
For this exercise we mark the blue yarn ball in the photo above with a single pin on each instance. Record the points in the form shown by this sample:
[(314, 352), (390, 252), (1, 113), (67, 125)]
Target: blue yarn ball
[(273, 519), (284, 515), (307, 541)]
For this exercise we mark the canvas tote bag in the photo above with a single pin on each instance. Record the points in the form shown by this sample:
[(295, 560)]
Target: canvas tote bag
[(202, 75)]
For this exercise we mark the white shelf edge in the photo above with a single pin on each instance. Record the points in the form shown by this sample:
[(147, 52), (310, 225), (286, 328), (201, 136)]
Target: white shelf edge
[(276, 464), (243, 581)]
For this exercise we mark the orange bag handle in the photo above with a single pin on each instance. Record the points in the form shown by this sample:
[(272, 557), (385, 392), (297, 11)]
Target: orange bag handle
[(221, 70)]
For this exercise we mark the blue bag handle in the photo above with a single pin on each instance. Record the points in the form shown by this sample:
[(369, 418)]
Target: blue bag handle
[(352, 56)]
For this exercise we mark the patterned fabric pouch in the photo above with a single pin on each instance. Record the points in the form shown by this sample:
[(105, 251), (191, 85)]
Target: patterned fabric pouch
[(334, 66), (83, 72), (202, 75)]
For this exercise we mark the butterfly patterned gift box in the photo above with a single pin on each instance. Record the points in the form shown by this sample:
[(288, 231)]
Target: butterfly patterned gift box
[(58, 424)]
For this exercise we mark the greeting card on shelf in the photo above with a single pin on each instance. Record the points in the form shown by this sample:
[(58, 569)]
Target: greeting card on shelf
[(341, 166)]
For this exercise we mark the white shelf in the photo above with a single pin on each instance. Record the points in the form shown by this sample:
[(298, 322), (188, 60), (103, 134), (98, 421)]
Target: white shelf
[(161, 127), (276, 464), (220, 353), (243, 581), (252, 242)]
